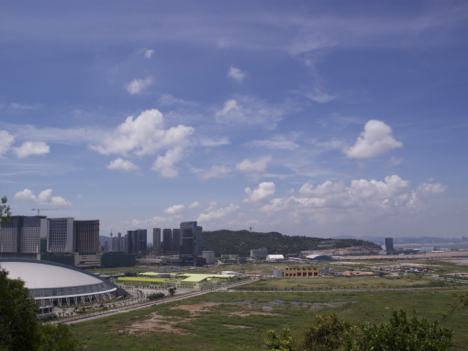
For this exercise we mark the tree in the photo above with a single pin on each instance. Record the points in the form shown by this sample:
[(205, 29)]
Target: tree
[(400, 333), (19, 328), (172, 291), (4, 211), (18, 325)]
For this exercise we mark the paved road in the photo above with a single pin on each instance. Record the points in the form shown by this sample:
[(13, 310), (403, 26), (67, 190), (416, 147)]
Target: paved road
[(102, 314)]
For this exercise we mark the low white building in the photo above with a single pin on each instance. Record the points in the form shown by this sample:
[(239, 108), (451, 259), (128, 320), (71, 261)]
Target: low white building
[(274, 258)]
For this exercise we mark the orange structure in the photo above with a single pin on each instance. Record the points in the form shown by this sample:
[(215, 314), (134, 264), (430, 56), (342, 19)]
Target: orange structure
[(302, 272)]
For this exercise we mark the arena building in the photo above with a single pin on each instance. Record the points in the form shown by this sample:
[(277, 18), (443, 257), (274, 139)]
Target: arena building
[(54, 284)]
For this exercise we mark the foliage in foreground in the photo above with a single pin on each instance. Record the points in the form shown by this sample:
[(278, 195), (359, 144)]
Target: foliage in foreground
[(19, 328), (400, 333)]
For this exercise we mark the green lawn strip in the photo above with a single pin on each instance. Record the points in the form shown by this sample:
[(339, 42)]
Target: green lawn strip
[(414, 281), (211, 330)]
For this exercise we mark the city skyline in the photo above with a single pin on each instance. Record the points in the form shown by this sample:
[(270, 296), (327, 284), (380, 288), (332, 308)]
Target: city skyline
[(305, 118)]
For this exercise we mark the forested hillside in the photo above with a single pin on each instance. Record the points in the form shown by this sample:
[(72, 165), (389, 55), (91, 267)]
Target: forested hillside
[(242, 241)]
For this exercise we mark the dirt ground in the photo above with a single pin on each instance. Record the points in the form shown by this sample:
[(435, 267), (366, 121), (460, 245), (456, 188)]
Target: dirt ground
[(166, 324)]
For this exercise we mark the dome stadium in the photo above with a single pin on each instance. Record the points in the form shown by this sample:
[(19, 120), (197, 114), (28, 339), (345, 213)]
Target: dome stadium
[(54, 284)]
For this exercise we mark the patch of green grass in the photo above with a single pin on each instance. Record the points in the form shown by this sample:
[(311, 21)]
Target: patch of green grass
[(212, 329)]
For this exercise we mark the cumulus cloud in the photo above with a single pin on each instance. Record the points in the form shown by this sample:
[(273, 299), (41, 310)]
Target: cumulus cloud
[(245, 110), (194, 204), (175, 210), (122, 165), (249, 166), (6, 139), (44, 198), (365, 198), (428, 189), (264, 191), (145, 135), (376, 139), (149, 53), (217, 213), (165, 164), (236, 74), (32, 148), (216, 172), (136, 86)]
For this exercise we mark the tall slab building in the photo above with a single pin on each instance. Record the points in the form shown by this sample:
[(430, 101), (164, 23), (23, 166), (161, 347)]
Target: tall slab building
[(167, 240), (23, 235), (136, 242), (157, 241), (175, 244), (86, 236), (60, 238), (191, 241)]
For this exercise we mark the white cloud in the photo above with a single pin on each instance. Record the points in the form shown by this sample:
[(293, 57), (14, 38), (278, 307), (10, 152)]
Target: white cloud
[(210, 142), (149, 53), (280, 142), (122, 165), (6, 139), (136, 86), (394, 161), (216, 172), (428, 189), (175, 210), (363, 200), (376, 139), (264, 191), (236, 74), (218, 213), (320, 96), (142, 136), (165, 164), (79, 196), (245, 111), (32, 148), (248, 166), (195, 204), (15, 107), (44, 198)]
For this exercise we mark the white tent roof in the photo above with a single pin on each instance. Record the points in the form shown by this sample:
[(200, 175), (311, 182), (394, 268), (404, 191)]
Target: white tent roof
[(275, 257)]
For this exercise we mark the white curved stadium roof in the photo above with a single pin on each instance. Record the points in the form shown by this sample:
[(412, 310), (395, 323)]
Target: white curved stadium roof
[(45, 276)]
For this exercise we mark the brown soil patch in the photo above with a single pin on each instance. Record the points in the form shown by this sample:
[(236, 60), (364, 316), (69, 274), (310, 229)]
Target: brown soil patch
[(229, 326), (197, 308), (156, 324)]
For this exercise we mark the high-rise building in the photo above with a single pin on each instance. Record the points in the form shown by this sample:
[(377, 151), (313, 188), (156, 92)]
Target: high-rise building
[(86, 236), (157, 241), (191, 242), (60, 238), (136, 242), (167, 240), (175, 244), (24, 234), (389, 244)]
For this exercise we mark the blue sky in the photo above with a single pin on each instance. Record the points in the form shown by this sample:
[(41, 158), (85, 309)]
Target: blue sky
[(309, 118)]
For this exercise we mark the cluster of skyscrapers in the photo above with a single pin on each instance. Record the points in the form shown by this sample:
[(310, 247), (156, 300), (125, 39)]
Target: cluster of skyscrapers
[(27, 236), (186, 241)]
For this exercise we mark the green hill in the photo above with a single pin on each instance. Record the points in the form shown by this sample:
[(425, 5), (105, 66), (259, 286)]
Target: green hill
[(242, 241)]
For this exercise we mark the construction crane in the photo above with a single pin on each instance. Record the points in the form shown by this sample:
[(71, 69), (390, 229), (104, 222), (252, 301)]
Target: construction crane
[(43, 209)]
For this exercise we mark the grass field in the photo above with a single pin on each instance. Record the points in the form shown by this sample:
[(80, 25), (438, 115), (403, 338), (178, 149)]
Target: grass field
[(239, 321), (324, 283)]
